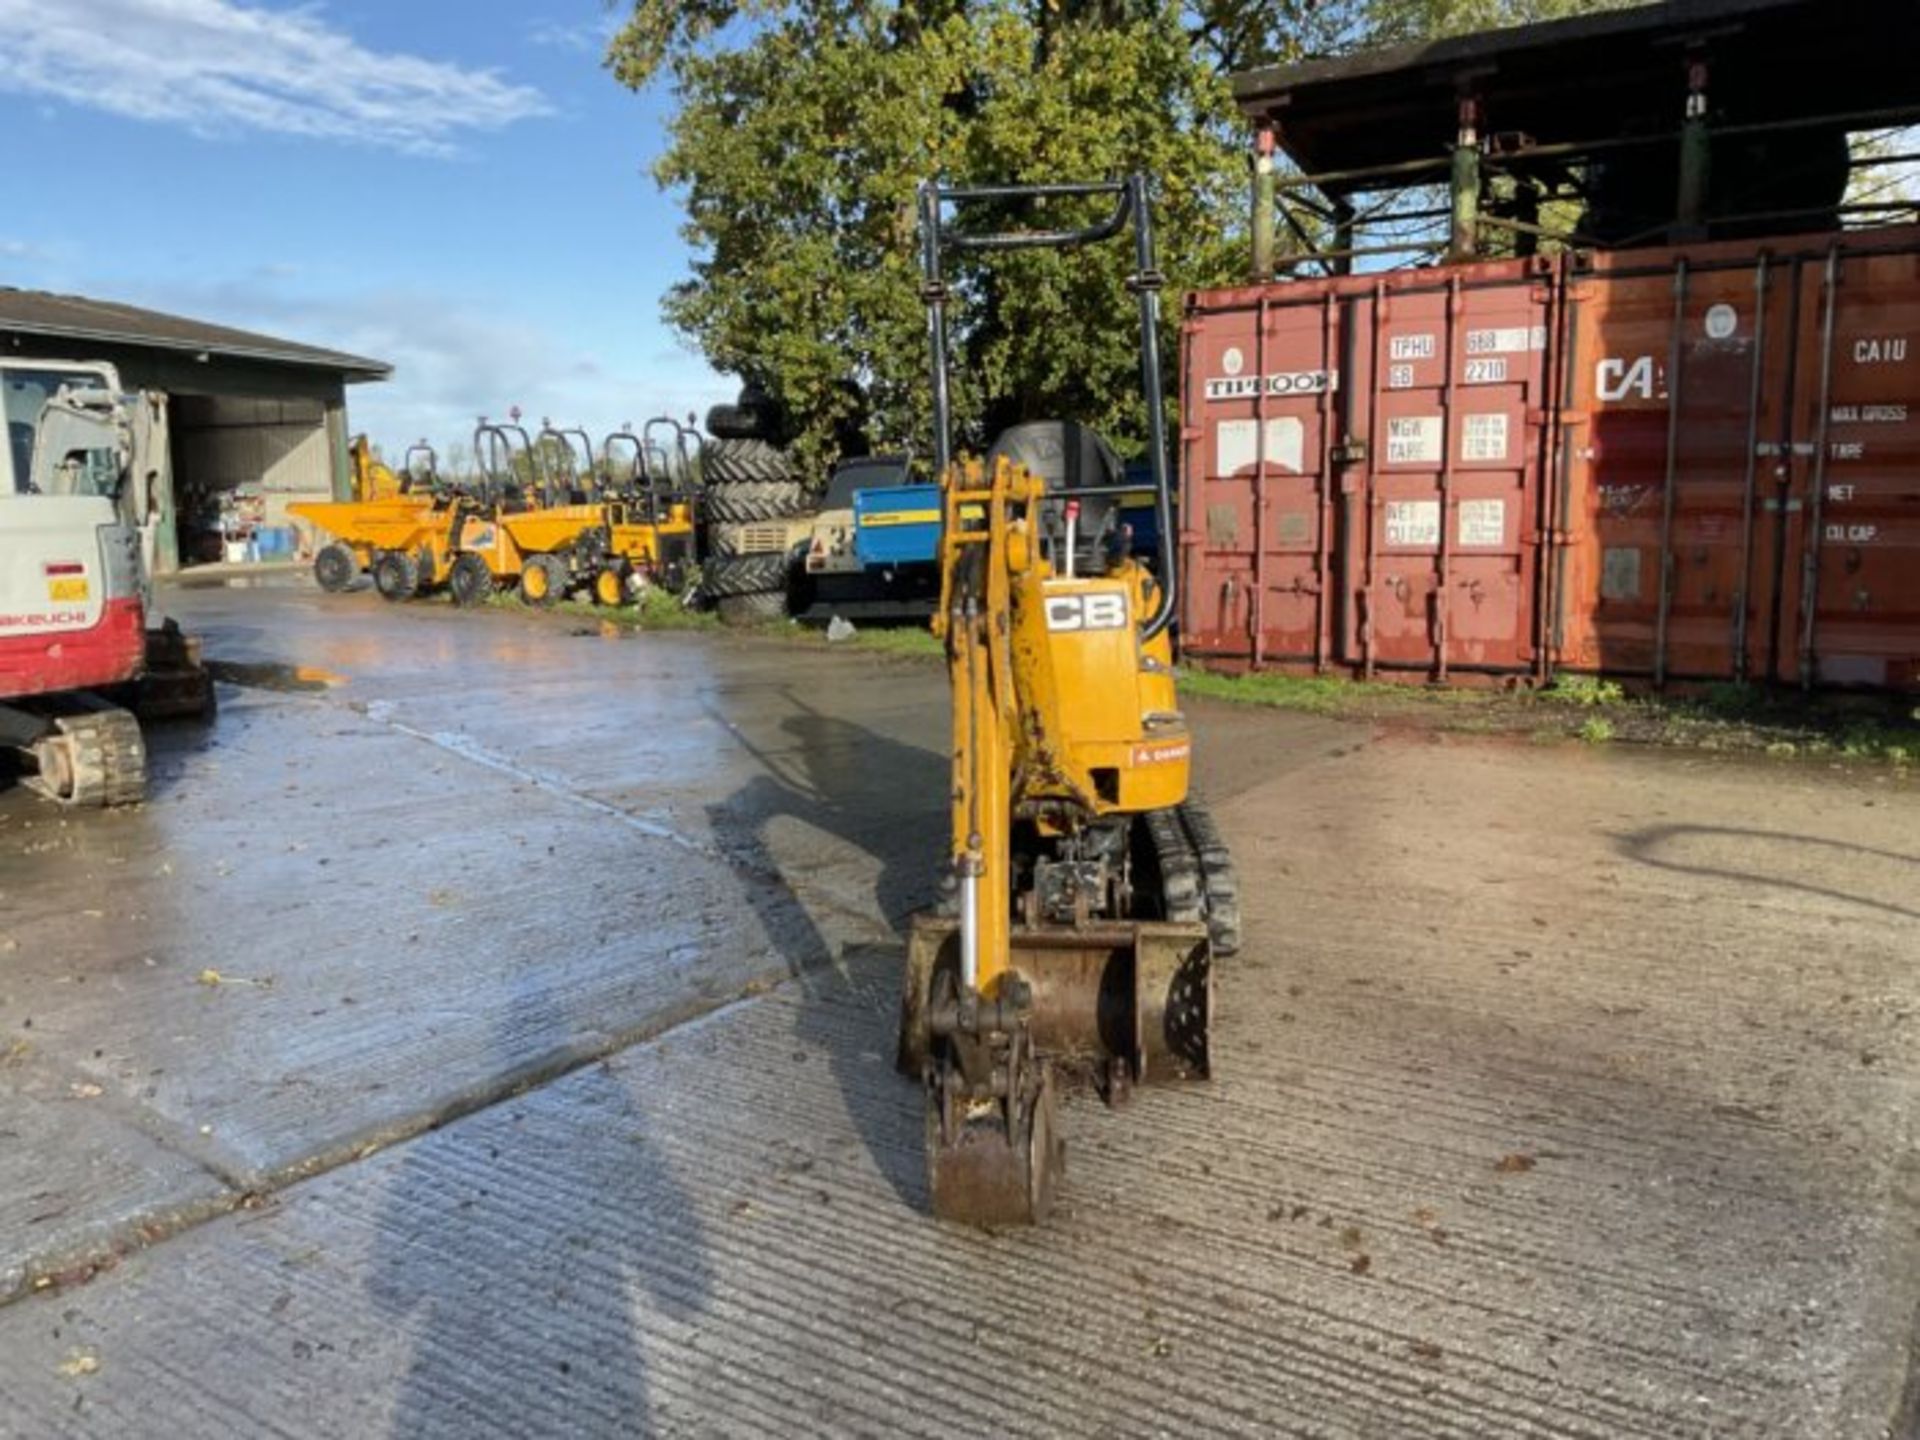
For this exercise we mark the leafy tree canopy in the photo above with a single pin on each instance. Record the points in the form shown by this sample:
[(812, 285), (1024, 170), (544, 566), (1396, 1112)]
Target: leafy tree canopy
[(802, 128)]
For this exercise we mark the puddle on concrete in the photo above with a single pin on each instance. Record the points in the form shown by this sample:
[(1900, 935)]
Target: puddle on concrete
[(273, 675)]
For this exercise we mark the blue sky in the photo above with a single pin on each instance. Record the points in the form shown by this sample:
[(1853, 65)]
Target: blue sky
[(454, 186)]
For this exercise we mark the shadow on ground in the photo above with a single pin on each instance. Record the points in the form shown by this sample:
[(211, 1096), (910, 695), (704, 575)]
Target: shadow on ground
[(882, 798), (519, 1300), (1806, 864)]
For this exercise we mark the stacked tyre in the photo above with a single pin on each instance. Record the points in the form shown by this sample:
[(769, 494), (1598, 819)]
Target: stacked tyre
[(747, 480)]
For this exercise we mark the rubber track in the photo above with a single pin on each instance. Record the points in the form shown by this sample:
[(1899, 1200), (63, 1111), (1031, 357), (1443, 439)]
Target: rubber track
[(1181, 895), (109, 760), (1217, 876)]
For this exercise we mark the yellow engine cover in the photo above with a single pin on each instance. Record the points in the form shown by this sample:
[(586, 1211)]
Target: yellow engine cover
[(1102, 721)]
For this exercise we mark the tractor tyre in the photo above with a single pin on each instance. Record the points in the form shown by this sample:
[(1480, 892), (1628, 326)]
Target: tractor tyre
[(761, 607), (744, 575), (739, 422), (736, 462), (753, 501), (543, 581), (470, 581), (336, 567), (396, 575)]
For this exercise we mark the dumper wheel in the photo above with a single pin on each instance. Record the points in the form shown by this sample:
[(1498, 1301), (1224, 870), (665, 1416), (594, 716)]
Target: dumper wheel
[(610, 586), (395, 575), (336, 567), (470, 581), (544, 581)]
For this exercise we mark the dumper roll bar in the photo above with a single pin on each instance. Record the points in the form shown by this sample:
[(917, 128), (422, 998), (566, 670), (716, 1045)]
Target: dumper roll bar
[(1130, 205), (681, 450), (652, 492), (577, 477), (408, 474), (491, 442), (623, 437)]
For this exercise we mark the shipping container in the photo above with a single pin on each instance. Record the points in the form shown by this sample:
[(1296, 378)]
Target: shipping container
[(1697, 463)]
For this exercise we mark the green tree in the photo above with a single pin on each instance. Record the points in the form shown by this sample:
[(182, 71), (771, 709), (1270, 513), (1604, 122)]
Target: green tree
[(802, 128)]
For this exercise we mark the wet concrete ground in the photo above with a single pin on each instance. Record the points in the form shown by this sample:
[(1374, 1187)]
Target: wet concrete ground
[(494, 1041)]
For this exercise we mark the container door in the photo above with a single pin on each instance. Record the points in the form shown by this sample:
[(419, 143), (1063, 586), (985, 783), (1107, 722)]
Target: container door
[(1445, 575), (1260, 376), (1850, 604), (1674, 457)]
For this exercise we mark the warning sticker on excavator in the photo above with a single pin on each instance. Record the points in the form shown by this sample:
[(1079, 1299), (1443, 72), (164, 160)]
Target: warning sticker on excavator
[(1168, 752), (71, 588)]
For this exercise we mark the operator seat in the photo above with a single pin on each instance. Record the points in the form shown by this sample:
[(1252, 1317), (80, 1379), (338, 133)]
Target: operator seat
[(1070, 456)]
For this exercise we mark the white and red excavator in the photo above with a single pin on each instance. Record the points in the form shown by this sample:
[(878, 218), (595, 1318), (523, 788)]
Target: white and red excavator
[(84, 654)]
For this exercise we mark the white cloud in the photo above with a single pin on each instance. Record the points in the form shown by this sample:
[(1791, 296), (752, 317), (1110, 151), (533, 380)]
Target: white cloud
[(583, 37), (216, 67)]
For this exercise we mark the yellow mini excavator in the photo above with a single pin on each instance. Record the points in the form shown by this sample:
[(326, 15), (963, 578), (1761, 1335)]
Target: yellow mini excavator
[(1089, 893)]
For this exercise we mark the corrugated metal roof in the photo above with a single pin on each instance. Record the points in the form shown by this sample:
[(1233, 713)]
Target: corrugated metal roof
[(75, 317)]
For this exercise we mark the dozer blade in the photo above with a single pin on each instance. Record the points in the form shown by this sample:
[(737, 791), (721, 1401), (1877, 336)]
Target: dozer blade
[(1139, 992)]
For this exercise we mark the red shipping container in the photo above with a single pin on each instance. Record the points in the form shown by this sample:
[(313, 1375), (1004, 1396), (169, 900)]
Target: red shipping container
[(1388, 521), (1790, 539), (1479, 469)]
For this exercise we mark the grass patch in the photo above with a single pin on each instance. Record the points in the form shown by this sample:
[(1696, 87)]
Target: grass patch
[(912, 640), (1586, 690), (656, 610), (1314, 694), (1733, 718), (1334, 695)]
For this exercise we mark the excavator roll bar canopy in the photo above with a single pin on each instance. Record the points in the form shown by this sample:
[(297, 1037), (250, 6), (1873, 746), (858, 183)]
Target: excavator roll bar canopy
[(1130, 206)]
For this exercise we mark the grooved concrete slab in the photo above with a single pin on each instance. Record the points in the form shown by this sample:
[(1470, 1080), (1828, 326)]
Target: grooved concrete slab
[(1562, 1093), (362, 902)]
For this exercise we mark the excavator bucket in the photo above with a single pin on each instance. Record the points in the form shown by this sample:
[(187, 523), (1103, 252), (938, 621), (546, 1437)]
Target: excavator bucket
[(1139, 993), (1123, 1003)]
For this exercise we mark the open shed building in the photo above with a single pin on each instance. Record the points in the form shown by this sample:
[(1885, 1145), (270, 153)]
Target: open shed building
[(254, 423), (1645, 125)]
